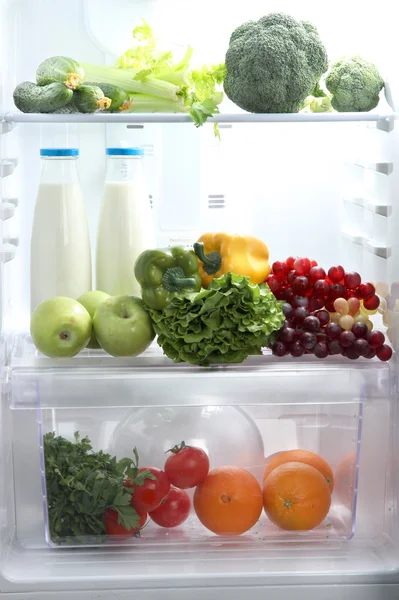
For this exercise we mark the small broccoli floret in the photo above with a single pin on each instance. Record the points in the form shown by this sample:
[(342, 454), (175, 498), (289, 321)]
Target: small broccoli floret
[(273, 64), (355, 85)]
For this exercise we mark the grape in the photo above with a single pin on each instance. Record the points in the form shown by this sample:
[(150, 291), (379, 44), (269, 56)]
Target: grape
[(371, 303), (290, 262), (302, 266), (311, 324), (290, 323), (300, 314), (333, 330), (376, 339), (361, 318), (296, 349), (334, 317), (273, 283), (347, 322), (341, 306), (321, 350), (313, 263), (287, 335), (300, 285), (369, 325), (334, 347), (351, 294), (291, 277), (316, 273), (301, 301), (361, 346), (366, 290), (316, 303), (279, 349), (280, 270), (371, 353), (351, 353), (354, 305), (384, 353), (321, 288), (287, 309), (323, 316), (336, 274), (287, 294), (308, 340), (360, 330), (346, 339), (337, 290), (352, 280)]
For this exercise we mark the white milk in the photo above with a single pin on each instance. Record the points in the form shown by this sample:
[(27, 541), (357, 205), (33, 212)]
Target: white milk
[(60, 245), (125, 227)]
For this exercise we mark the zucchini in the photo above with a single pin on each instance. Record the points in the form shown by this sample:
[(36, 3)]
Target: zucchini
[(120, 100), (32, 98), (90, 98), (62, 70)]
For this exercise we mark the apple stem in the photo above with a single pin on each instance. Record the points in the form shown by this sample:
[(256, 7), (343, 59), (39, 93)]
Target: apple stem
[(175, 279)]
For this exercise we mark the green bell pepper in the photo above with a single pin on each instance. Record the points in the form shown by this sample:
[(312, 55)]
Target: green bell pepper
[(165, 274)]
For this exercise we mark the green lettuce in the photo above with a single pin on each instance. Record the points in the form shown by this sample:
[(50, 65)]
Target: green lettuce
[(226, 323)]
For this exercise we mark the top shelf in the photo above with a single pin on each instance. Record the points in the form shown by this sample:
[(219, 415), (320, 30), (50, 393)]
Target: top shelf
[(139, 118)]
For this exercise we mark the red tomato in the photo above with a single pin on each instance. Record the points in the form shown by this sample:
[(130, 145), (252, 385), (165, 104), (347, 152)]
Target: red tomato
[(149, 495), (173, 510), (187, 466), (115, 529)]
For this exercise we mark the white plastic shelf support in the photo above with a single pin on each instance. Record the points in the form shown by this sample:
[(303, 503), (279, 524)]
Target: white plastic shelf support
[(7, 210), (384, 210), (369, 245), (7, 167)]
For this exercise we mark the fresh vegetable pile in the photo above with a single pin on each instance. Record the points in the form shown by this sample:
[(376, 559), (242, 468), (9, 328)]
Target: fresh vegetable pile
[(144, 80), (274, 65), (92, 497), (220, 303)]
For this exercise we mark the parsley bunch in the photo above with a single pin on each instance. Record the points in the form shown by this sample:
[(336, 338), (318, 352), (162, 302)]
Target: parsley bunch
[(81, 484)]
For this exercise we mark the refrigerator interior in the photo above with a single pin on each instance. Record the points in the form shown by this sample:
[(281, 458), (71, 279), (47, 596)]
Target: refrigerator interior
[(327, 190)]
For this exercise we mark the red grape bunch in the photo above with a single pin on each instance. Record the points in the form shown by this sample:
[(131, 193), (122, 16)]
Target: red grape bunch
[(325, 313)]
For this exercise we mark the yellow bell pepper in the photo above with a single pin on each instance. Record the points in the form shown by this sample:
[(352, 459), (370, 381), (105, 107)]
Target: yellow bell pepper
[(220, 253)]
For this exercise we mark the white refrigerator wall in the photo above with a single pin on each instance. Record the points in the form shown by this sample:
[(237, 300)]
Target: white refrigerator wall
[(311, 189)]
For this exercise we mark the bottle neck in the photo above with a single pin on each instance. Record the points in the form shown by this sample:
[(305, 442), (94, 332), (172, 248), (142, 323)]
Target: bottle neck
[(60, 170), (124, 168)]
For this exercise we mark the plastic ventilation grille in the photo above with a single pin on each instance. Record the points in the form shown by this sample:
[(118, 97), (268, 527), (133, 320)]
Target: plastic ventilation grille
[(216, 201)]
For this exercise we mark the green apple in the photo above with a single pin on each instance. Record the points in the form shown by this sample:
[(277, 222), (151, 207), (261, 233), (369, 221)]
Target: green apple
[(60, 327), (123, 326), (91, 300)]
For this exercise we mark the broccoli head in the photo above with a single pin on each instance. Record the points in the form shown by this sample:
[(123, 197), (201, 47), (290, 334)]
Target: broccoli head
[(273, 64), (355, 85)]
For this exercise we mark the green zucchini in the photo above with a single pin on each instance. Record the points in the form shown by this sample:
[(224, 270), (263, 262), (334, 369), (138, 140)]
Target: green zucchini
[(120, 100), (32, 98), (62, 70), (90, 98)]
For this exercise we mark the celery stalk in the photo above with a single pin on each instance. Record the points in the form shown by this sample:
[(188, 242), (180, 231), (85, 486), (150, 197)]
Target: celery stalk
[(142, 103), (124, 79)]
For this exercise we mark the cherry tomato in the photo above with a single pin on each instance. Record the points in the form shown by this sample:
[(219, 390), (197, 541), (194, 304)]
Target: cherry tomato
[(148, 496), (173, 510), (115, 529), (187, 466)]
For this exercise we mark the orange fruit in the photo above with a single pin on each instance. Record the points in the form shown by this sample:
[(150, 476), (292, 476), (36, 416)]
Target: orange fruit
[(345, 480), (229, 501), (302, 456), (296, 496)]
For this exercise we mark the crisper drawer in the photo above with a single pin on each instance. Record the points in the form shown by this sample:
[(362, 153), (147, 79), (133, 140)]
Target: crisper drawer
[(240, 416)]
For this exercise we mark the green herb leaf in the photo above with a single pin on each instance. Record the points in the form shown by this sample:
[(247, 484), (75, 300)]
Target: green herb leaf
[(81, 484)]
